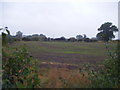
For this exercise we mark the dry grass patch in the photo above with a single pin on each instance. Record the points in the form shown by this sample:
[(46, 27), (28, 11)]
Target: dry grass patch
[(63, 78)]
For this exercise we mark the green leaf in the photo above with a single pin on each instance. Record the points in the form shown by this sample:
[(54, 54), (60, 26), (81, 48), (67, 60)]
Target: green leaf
[(19, 85)]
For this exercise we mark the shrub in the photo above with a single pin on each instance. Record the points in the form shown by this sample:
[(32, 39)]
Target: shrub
[(19, 70), (109, 77)]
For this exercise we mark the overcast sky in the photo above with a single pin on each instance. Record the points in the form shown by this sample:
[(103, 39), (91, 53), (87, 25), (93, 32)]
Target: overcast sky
[(56, 19)]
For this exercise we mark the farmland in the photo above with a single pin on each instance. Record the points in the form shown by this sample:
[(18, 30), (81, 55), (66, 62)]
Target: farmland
[(66, 52), (62, 60)]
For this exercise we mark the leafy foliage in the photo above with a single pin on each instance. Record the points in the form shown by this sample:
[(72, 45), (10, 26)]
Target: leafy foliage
[(109, 77), (106, 31), (19, 71), (4, 34)]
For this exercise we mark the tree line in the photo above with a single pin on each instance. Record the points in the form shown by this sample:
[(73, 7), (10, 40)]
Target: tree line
[(106, 33), (41, 37), (19, 69)]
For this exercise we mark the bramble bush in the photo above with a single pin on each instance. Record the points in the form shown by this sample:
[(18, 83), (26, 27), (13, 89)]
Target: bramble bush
[(19, 70)]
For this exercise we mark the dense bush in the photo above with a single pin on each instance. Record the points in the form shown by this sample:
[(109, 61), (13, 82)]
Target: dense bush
[(19, 70), (109, 77)]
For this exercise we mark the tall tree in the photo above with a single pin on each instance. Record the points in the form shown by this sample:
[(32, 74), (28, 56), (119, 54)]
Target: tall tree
[(79, 37), (106, 31), (19, 34), (84, 36)]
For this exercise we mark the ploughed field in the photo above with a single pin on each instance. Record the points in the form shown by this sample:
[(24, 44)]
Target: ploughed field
[(70, 55), (62, 64)]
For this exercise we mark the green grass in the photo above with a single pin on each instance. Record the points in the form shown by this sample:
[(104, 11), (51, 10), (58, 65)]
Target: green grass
[(74, 53), (96, 49), (67, 52)]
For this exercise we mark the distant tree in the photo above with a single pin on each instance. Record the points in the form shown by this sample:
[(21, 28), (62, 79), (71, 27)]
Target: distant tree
[(60, 39), (84, 36), (52, 39), (42, 37), (35, 37), (49, 39), (72, 39), (19, 35), (87, 40), (79, 37), (26, 39), (106, 31), (93, 39)]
